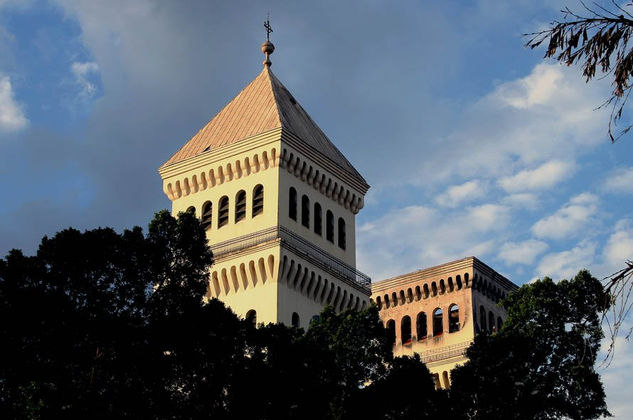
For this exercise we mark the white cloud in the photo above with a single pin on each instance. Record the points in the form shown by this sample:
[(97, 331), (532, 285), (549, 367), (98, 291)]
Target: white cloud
[(12, 116), (569, 220), (413, 237), (458, 194), (566, 264), (521, 252), (620, 181), (542, 177), (488, 217), (528, 201), (82, 72), (617, 377), (618, 248)]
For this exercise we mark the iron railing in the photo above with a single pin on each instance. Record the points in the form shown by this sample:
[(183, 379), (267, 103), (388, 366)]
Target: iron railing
[(298, 243)]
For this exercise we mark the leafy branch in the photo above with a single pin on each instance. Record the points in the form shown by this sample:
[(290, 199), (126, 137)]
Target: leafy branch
[(599, 39)]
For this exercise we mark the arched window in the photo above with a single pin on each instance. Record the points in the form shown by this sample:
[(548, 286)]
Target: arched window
[(379, 303), (418, 293), (205, 218), (405, 330), (391, 331), (420, 326), (499, 324), (191, 209), (223, 212), (318, 219), (409, 295), (447, 383), (305, 211), (295, 320), (292, 204), (258, 200), (458, 280), (240, 206), (341, 233), (453, 318), (482, 318), (442, 287), (251, 316), (434, 289), (491, 321), (329, 226), (438, 319)]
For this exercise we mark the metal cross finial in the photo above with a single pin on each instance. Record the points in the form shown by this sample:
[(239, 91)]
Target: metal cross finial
[(267, 26)]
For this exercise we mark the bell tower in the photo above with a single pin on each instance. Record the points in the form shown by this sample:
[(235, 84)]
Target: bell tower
[(278, 201)]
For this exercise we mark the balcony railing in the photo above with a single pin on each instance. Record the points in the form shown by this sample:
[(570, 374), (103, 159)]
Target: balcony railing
[(298, 243), (445, 352)]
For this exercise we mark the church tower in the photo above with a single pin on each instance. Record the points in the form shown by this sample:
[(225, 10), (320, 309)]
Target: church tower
[(278, 201)]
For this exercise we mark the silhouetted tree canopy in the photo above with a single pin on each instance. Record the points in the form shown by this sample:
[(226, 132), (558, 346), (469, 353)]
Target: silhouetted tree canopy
[(541, 364), (106, 325)]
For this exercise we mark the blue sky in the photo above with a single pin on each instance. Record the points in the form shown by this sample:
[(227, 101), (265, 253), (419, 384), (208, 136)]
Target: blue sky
[(473, 145)]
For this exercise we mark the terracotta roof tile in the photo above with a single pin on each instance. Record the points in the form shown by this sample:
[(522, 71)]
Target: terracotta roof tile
[(263, 105)]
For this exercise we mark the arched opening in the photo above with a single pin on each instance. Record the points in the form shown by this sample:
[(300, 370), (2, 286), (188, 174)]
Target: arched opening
[(499, 324), (436, 380), (205, 217), (379, 302), (418, 293), (458, 280), (305, 211), (386, 300), (482, 318), (445, 380), (433, 289), (191, 209), (438, 319), (466, 278), (341, 233), (251, 317), (258, 200), (391, 331), (405, 330), (402, 299), (292, 204), (240, 206), (295, 320), (318, 219), (420, 326), (451, 285), (453, 318), (426, 291), (394, 299), (442, 287), (329, 226), (409, 295), (223, 212), (491, 322)]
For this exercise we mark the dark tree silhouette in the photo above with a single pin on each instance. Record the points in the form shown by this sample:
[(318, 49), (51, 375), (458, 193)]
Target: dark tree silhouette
[(541, 364)]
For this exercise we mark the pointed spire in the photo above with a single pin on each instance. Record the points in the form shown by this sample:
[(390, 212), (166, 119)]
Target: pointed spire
[(267, 46)]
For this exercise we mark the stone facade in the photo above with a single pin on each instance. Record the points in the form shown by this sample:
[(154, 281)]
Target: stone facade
[(436, 312)]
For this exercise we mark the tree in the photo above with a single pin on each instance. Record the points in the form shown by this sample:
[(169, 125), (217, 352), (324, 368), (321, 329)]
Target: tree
[(541, 364), (598, 39)]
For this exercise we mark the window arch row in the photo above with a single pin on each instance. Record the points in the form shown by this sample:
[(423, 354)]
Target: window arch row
[(223, 208), (201, 181), (321, 181)]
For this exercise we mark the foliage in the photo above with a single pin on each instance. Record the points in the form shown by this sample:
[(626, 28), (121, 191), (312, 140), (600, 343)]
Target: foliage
[(105, 325), (598, 39), (541, 364)]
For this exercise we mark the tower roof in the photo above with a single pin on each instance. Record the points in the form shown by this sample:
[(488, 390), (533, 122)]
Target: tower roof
[(265, 104)]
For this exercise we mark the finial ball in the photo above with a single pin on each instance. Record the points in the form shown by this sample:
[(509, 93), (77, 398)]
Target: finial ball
[(268, 47)]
